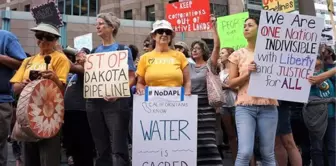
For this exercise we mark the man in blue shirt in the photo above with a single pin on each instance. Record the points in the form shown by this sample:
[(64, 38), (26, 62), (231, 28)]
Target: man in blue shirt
[(11, 55)]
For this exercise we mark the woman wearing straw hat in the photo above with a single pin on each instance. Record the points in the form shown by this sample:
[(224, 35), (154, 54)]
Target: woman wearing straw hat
[(45, 152)]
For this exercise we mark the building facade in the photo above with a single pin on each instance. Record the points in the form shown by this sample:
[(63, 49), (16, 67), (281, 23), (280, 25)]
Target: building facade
[(321, 8), (136, 16)]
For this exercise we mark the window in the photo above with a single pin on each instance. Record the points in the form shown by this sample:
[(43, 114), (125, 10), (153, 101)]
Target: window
[(219, 10), (255, 2), (27, 8), (14, 9), (210, 43), (254, 13), (172, 1), (128, 15), (74, 7), (150, 13)]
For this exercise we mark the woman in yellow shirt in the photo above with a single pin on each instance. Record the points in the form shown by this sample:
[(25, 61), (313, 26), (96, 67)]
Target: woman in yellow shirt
[(163, 66), (45, 152)]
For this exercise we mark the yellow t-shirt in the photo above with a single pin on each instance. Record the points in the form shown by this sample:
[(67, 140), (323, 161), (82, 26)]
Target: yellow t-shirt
[(60, 64), (162, 68)]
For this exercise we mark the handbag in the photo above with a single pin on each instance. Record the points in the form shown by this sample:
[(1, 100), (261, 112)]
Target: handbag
[(214, 88)]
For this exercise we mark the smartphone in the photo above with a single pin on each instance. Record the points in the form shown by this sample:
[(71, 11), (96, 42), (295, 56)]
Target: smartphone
[(34, 75)]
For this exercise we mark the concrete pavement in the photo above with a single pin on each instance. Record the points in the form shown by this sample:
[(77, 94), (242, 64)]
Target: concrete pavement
[(11, 160)]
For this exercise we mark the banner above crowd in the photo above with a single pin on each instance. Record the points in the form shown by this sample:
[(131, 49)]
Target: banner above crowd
[(286, 6), (189, 16)]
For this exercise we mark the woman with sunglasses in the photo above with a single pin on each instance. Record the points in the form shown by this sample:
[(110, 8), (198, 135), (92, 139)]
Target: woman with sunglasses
[(163, 66), (45, 152)]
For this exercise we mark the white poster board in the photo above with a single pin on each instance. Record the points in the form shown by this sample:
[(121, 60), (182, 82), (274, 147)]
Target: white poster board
[(164, 128), (83, 41), (328, 36), (285, 54), (106, 74)]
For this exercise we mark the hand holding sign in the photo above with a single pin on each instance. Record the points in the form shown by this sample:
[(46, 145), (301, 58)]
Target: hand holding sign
[(252, 67)]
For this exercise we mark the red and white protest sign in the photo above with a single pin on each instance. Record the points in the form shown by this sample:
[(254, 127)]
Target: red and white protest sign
[(189, 15)]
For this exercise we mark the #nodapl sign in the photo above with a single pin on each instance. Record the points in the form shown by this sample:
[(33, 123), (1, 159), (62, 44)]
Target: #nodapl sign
[(189, 15), (106, 74)]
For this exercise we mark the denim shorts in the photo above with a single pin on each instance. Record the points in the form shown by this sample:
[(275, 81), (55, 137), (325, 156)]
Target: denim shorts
[(284, 124)]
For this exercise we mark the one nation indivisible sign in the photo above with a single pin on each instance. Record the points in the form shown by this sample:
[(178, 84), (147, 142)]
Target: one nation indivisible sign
[(189, 15), (106, 74), (285, 55)]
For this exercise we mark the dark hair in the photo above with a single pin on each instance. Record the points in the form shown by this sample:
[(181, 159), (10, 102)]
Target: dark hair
[(185, 51), (255, 18), (86, 50), (229, 50), (134, 50), (204, 47)]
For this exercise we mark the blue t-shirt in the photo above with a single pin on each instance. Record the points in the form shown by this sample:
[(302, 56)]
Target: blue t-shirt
[(114, 47), (9, 46), (325, 90)]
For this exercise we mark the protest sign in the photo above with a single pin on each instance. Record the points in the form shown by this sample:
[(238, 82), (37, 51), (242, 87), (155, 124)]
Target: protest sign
[(106, 74), (47, 13), (164, 128), (328, 36), (83, 41), (285, 54), (231, 29), (286, 6), (189, 15)]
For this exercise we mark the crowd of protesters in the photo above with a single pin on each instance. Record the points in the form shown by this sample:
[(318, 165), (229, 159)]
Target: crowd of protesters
[(97, 131)]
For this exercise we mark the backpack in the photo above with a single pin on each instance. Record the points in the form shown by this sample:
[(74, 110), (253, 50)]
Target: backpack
[(120, 47)]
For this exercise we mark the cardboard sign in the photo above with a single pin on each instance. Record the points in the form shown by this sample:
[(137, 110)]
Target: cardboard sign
[(285, 54), (328, 36), (106, 74), (189, 15), (47, 13), (164, 129), (286, 6), (230, 30), (83, 41)]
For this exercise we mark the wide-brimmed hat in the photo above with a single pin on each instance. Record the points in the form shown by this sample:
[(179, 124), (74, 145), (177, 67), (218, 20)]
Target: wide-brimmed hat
[(182, 44), (162, 24), (46, 28)]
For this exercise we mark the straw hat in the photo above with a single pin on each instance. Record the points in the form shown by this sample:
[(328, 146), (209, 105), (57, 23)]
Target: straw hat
[(46, 28)]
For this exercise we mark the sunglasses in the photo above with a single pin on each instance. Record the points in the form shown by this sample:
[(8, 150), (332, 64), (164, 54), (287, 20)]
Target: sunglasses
[(146, 45), (166, 31), (45, 36)]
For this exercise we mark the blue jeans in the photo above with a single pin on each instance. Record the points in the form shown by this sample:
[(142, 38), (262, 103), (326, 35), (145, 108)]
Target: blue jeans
[(250, 119), (328, 142)]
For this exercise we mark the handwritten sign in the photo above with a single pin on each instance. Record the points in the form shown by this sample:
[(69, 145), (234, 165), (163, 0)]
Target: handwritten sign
[(47, 13), (328, 36), (230, 28), (106, 74), (285, 54), (164, 128), (189, 15), (286, 6), (83, 41)]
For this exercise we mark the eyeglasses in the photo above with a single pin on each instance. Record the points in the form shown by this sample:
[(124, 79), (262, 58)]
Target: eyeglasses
[(45, 36), (166, 31)]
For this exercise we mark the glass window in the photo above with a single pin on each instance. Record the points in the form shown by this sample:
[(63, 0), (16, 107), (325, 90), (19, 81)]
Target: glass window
[(128, 15), (219, 10), (150, 13), (83, 9), (255, 2), (27, 8), (172, 1), (14, 9), (254, 13), (210, 43)]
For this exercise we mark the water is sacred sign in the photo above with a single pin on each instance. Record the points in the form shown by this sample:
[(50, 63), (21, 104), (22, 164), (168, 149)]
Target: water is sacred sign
[(164, 128)]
